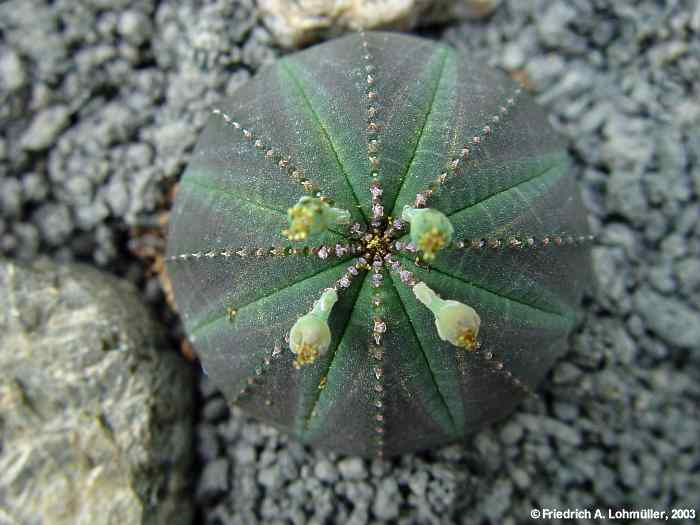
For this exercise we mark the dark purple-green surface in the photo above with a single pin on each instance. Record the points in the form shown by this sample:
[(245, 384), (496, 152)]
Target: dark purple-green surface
[(311, 106)]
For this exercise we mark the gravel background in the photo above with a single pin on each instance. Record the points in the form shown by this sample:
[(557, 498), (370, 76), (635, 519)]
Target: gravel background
[(101, 102)]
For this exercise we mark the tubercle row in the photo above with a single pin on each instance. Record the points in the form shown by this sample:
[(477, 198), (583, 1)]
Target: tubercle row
[(510, 242), (378, 328), (373, 133), (323, 251), (378, 331), (469, 149), (283, 161), (257, 379)]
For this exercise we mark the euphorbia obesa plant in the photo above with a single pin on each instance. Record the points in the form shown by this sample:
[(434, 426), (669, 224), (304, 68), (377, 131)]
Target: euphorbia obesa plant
[(378, 246)]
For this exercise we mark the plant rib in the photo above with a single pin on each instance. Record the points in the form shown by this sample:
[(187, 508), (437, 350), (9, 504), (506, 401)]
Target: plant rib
[(320, 124), (283, 162), (441, 396), (219, 316), (473, 145), (332, 352), (421, 131)]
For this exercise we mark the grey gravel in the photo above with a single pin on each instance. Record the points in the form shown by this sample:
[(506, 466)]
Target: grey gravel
[(615, 423), (671, 319), (95, 411), (102, 104), (45, 128), (214, 480)]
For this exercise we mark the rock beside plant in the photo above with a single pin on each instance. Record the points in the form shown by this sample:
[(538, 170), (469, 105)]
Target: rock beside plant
[(296, 23), (95, 413)]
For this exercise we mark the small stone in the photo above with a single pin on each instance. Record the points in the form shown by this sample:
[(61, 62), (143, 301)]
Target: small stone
[(215, 410), (10, 196), (513, 56), (135, 27), (687, 273), (669, 318), (214, 480), (45, 128), (245, 454), (208, 446), (352, 469), (511, 433), (566, 373), (552, 23), (387, 500), (270, 477), (498, 499), (54, 222), (323, 253), (326, 471), (12, 75)]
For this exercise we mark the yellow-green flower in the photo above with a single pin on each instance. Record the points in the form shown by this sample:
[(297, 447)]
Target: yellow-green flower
[(310, 336), (456, 322), (431, 230), (311, 216)]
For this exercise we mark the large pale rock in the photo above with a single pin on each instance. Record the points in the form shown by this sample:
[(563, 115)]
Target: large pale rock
[(95, 414), (299, 22)]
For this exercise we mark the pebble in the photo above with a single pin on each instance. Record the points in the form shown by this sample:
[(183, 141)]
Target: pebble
[(214, 480), (511, 433), (387, 500), (54, 222), (215, 410), (135, 27), (45, 128), (352, 468), (326, 471), (10, 197), (498, 500), (669, 318), (551, 24), (208, 446), (12, 74)]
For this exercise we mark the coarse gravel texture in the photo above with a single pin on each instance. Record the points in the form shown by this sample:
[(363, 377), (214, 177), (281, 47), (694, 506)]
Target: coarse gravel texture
[(103, 101)]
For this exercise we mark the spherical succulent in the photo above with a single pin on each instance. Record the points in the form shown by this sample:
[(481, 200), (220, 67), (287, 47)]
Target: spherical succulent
[(378, 246)]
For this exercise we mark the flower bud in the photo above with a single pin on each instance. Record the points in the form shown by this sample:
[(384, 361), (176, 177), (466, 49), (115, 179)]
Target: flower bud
[(311, 216), (456, 322), (431, 230)]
